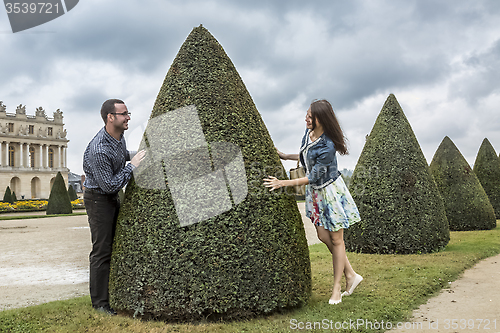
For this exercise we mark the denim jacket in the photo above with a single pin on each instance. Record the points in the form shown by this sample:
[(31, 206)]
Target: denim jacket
[(320, 162)]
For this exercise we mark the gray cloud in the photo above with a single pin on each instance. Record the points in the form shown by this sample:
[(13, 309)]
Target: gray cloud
[(440, 58)]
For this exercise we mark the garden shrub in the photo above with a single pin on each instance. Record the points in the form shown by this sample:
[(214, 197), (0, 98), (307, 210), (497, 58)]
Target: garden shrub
[(7, 197), (466, 203), (72, 193), (59, 202), (487, 170), (13, 197), (400, 206), (252, 259)]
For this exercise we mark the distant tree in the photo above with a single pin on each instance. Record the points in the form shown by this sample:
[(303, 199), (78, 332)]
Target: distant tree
[(7, 197), (487, 169), (72, 193), (59, 202), (399, 203), (466, 203), (347, 179)]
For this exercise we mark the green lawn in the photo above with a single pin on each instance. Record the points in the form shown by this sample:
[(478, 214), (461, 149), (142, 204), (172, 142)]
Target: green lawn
[(394, 285), (41, 216)]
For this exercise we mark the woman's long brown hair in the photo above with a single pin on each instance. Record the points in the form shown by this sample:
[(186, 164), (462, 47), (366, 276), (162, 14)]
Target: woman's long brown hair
[(323, 111)]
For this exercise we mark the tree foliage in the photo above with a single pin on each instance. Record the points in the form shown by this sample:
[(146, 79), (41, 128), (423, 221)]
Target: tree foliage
[(59, 202), (249, 260), (487, 169), (399, 203), (466, 203)]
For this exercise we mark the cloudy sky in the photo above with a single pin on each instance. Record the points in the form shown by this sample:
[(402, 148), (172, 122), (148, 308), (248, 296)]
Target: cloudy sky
[(440, 58)]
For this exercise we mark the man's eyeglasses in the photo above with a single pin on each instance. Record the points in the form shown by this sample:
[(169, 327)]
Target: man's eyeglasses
[(122, 113)]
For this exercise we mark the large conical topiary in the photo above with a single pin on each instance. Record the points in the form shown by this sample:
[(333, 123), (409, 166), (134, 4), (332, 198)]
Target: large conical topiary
[(487, 169), (198, 235), (7, 197), (467, 205), (59, 202), (400, 206)]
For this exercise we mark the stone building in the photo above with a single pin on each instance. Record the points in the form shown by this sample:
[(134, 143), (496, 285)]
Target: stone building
[(32, 151)]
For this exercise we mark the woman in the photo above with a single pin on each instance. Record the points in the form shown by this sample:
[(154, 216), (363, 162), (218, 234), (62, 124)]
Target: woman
[(329, 204)]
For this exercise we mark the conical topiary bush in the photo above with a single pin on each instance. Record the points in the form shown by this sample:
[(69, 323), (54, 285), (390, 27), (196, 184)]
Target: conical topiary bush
[(59, 202), (13, 197), (190, 252), (399, 203), (487, 169), (466, 204), (7, 197), (72, 193)]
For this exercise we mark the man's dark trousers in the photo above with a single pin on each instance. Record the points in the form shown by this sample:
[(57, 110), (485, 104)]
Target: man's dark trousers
[(102, 212)]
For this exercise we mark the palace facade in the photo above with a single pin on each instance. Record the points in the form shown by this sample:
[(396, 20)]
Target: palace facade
[(32, 151)]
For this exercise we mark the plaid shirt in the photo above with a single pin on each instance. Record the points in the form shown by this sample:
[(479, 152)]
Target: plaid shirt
[(104, 163)]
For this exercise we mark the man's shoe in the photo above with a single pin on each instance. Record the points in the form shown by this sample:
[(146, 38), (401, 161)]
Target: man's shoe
[(106, 309)]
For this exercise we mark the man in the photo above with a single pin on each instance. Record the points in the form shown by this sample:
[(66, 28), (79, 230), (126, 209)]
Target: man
[(106, 172)]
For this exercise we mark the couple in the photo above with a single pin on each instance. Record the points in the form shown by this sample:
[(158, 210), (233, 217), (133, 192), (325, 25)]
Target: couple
[(329, 204)]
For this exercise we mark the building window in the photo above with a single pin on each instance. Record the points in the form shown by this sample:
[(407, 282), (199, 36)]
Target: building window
[(51, 158), (11, 156), (49, 131), (11, 127), (32, 157), (31, 129)]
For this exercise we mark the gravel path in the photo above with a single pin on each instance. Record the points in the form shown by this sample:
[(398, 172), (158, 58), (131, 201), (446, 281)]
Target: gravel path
[(43, 260)]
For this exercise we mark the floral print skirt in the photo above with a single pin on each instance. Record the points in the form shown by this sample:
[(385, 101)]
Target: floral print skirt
[(331, 207)]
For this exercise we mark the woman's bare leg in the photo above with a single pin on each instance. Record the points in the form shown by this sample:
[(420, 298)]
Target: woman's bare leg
[(339, 261), (328, 238)]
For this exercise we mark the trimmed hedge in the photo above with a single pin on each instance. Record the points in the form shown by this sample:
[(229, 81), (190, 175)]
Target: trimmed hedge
[(72, 193), (7, 197), (252, 259), (400, 206), (466, 203), (59, 202), (487, 169)]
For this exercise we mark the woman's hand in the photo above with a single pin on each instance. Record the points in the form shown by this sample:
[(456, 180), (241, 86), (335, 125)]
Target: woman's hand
[(273, 182), (281, 155)]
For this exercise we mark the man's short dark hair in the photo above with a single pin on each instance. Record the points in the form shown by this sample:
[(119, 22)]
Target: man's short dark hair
[(109, 107)]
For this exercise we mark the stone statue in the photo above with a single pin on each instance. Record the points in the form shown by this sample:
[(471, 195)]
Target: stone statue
[(40, 112), (21, 109), (41, 133), (58, 114), (3, 107)]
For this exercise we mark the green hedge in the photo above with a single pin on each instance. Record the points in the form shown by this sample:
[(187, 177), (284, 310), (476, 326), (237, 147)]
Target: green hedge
[(487, 169), (59, 202), (400, 206), (467, 205), (72, 193), (7, 197), (252, 259)]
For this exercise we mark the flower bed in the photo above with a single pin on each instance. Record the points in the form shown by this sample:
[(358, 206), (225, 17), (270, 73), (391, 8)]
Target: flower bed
[(33, 205)]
